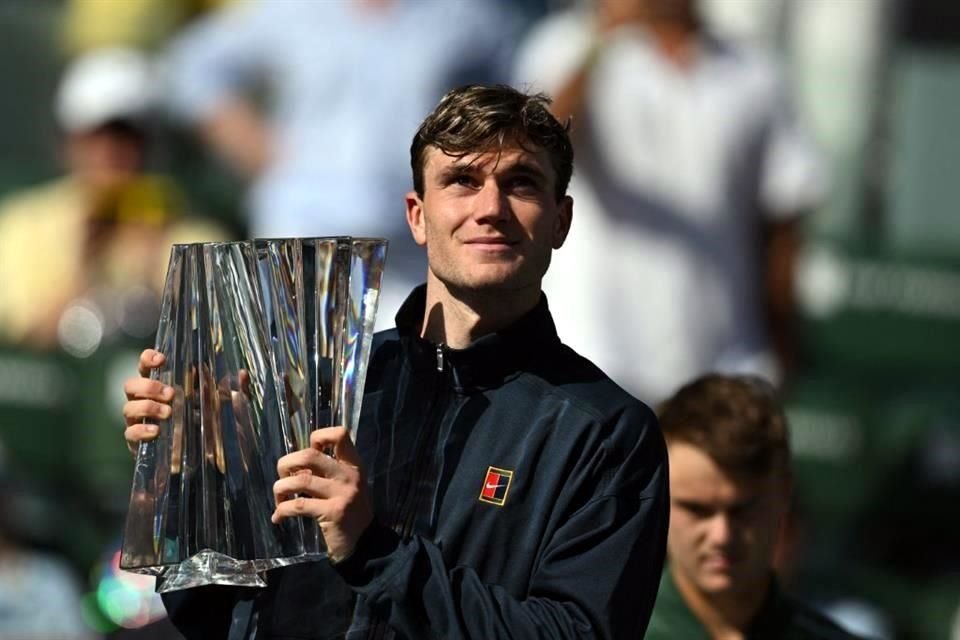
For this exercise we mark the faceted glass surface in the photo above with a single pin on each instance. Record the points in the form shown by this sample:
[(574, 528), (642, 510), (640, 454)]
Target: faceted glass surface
[(265, 341)]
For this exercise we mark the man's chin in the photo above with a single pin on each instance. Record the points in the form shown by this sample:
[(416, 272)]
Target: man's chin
[(729, 579), (716, 583), (490, 281)]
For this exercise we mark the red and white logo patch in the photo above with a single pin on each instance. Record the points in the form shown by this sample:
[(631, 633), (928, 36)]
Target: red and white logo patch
[(495, 486)]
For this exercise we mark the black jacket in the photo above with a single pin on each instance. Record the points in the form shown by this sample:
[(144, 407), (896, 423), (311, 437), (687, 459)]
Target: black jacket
[(519, 492)]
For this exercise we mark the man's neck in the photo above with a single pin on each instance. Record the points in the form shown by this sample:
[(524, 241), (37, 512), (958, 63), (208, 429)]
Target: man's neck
[(457, 318), (724, 616)]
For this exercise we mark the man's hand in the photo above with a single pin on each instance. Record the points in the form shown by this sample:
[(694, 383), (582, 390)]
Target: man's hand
[(146, 399), (331, 489)]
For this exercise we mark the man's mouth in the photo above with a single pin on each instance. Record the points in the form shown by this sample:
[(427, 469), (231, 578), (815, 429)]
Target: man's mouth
[(490, 240), (720, 561)]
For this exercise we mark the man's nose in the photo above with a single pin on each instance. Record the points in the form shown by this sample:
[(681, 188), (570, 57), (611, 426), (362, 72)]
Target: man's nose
[(491, 203), (720, 529)]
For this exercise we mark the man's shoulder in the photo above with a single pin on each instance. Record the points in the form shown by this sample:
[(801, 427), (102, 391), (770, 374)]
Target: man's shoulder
[(384, 336), (384, 348), (558, 27), (552, 49), (582, 383), (383, 341), (57, 197)]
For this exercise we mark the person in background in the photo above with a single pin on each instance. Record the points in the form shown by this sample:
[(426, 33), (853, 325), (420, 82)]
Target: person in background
[(692, 176), (99, 235), (30, 576), (314, 103), (501, 486), (730, 488)]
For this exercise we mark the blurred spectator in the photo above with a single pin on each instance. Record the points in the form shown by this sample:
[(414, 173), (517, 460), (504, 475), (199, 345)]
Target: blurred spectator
[(316, 102), (730, 485), (102, 232), (692, 175), (39, 594)]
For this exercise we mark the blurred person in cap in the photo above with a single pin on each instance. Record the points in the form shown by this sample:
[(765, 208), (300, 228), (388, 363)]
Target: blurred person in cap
[(730, 488), (693, 176), (102, 231)]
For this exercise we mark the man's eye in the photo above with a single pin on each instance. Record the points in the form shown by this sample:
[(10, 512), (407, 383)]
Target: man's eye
[(698, 511), (463, 180), (524, 183)]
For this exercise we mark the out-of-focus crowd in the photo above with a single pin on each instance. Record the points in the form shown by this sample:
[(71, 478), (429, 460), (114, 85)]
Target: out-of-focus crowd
[(761, 187)]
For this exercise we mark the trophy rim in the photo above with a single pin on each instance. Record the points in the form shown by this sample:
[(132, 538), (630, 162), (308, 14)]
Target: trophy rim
[(222, 243)]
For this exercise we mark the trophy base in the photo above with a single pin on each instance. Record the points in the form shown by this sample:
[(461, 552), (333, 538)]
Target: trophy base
[(212, 568)]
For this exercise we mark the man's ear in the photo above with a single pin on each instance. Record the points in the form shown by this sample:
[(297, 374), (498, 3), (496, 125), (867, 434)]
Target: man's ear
[(415, 219), (561, 226)]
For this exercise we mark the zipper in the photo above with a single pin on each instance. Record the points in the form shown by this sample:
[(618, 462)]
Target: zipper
[(426, 447), (411, 501)]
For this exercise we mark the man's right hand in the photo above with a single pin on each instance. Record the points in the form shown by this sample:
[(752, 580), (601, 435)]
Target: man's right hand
[(148, 401)]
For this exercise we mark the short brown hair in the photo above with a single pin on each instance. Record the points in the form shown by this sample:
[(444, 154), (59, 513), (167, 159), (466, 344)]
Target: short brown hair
[(736, 420), (478, 119)]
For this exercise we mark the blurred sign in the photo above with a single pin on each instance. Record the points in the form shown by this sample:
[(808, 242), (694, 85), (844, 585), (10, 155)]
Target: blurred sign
[(875, 312)]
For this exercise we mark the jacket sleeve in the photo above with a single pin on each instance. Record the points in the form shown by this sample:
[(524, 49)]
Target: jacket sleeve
[(597, 577)]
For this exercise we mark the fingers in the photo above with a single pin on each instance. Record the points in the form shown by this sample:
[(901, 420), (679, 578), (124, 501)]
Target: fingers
[(300, 506), (149, 359), (140, 410), (135, 412), (302, 483), (337, 439), (147, 389), (317, 462), (146, 400), (304, 494), (138, 432)]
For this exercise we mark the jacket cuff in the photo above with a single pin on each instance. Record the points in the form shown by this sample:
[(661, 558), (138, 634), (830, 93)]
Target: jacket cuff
[(370, 558)]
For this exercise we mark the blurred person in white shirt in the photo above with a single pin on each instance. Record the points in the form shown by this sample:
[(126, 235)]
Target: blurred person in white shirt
[(692, 178)]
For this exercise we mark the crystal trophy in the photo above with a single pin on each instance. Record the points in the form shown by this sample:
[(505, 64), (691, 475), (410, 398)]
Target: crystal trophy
[(265, 341)]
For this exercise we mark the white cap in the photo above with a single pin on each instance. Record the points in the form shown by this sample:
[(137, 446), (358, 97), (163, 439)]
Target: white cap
[(104, 85)]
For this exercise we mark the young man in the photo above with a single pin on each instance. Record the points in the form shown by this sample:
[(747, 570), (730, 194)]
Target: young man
[(501, 485), (730, 489), (113, 221)]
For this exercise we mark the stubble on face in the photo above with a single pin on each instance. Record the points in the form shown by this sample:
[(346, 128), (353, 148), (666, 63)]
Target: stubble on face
[(490, 221)]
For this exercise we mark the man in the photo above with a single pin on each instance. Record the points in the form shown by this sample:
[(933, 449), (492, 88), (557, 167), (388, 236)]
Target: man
[(692, 175), (99, 236), (730, 487), (501, 485)]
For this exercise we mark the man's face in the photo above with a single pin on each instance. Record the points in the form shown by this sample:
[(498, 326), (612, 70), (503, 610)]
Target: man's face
[(103, 159), (723, 529), (489, 221)]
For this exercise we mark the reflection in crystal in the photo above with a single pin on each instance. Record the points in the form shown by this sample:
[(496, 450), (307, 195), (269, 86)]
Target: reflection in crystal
[(265, 341)]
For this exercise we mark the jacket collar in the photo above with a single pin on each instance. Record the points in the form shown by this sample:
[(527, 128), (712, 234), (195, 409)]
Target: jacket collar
[(489, 360)]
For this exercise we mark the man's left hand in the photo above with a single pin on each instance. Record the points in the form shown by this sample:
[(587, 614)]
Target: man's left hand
[(331, 489)]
